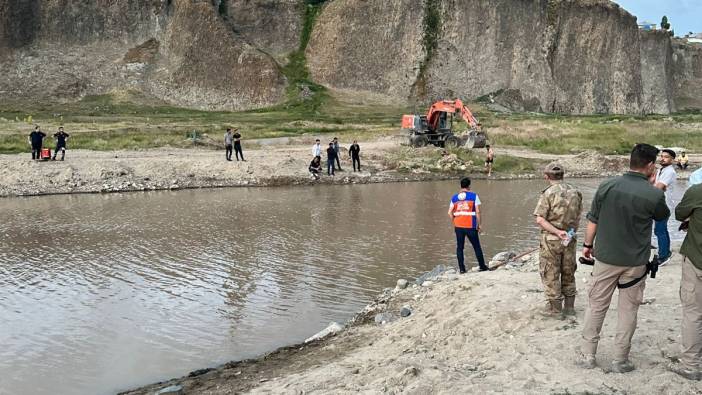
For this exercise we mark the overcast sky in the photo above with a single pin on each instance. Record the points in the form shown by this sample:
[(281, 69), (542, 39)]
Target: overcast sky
[(683, 15)]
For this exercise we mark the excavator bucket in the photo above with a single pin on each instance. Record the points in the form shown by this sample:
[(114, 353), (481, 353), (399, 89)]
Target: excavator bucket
[(475, 139)]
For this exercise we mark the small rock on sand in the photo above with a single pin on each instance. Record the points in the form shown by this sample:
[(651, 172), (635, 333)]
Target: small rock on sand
[(402, 283), (172, 390), (333, 328), (504, 256), (383, 318), (405, 311)]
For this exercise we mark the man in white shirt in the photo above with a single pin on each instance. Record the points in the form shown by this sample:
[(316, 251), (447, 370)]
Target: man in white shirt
[(317, 149), (665, 181)]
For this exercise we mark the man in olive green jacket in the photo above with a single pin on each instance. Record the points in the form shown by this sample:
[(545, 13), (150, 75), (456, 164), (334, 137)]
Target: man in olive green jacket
[(619, 228), (690, 209)]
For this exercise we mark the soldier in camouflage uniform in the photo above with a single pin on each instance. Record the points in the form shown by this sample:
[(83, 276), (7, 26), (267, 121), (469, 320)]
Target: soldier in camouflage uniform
[(557, 212)]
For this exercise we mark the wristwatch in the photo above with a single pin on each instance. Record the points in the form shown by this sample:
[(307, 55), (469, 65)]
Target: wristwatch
[(587, 245)]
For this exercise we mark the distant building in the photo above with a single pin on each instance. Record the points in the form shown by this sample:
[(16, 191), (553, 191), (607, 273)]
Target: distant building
[(694, 38), (647, 25)]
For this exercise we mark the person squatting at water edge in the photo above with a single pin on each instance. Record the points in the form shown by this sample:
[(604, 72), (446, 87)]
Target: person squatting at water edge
[(558, 215), (619, 236), (464, 211), (690, 211), (315, 167)]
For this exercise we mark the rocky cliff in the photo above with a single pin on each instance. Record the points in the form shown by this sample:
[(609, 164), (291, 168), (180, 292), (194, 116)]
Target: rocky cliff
[(570, 56), (687, 75), (546, 55), (657, 72), (181, 51)]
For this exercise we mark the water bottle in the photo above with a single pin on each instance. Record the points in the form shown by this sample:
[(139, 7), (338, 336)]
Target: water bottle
[(570, 234)]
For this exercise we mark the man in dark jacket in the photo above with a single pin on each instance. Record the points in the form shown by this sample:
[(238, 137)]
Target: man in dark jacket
[(61, 138), (331, 157), (36, 139), (619, 228), (690, 209), (237, 146), (355, 153)]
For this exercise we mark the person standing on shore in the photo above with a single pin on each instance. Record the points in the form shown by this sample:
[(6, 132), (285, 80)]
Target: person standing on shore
[(690, 209), (237, 146), (489, 159), (558, 215), (36, 140), (355, 153), (317, 149), (331, 156), (619, 228), (337, 149), (665, 181), (61, 138), (228, 144), (464, 211)]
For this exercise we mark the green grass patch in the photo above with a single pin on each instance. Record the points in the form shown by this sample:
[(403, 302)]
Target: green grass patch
[(304, 95)]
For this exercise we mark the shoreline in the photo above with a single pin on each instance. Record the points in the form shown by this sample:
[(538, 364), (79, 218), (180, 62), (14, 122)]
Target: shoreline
[(507, 345), (164, 169)]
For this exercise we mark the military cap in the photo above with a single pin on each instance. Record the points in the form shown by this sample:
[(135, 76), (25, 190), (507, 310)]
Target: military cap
[(554, 168)]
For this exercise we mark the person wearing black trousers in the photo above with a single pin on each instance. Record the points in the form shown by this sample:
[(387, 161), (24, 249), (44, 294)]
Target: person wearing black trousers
[(331, 157), (36, 139), (237, 146), (355, 153), (61, 138), (337, 149), (228, 140)]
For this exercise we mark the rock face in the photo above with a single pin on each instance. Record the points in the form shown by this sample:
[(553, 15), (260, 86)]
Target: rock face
[(577, 57), (271, 25), (372, 45), (180, 51), (687, 75), (570, 56), (657, 72)]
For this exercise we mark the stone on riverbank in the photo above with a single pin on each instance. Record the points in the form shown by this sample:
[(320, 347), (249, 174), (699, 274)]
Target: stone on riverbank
[(384, 318), (402, 283), (433, 275), (333, 328), (172, 390), (406, 311)]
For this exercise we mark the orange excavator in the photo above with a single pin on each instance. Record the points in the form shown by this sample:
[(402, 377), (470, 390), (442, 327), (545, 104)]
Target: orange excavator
[(437, 126)]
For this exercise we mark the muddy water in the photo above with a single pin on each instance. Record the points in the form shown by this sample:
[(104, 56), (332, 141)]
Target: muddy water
[(100, 293)]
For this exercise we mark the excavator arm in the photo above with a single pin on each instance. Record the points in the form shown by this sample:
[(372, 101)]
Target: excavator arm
[(452, 106)]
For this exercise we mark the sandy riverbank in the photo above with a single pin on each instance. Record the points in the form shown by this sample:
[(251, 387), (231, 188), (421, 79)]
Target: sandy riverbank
[(283, 163), (477, 333), (269, 163)]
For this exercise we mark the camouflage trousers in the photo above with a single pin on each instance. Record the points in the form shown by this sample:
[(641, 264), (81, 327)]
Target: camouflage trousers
[(557, 267)]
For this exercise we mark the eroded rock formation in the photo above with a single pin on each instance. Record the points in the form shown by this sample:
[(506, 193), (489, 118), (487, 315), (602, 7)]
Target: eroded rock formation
[(570, 56)]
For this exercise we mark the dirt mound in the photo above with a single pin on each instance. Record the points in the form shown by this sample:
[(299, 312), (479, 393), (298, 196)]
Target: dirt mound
[(593, 164)]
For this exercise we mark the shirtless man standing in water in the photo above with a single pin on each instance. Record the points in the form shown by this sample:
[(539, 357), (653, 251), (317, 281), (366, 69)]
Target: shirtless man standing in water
[(489, 160)]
